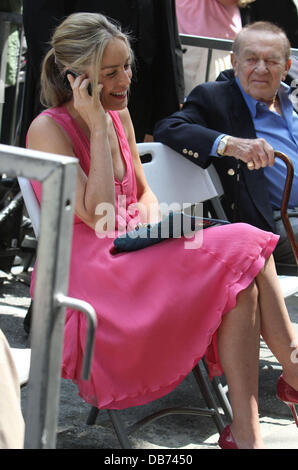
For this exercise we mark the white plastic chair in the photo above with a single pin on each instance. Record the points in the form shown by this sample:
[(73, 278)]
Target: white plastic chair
[(175, 179)]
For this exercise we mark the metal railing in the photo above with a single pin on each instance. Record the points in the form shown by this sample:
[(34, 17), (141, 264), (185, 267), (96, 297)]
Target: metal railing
[(58, 176)]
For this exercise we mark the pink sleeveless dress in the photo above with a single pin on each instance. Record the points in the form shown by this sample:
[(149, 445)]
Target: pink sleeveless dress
[(159, 308)]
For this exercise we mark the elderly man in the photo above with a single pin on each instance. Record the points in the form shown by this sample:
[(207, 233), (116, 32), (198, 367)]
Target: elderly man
[(237, 122)]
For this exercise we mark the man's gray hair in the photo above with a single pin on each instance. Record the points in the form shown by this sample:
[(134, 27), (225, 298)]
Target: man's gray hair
[(263, 26)]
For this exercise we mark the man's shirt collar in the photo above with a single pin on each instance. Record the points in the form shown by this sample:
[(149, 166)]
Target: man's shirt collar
[(253, 104)]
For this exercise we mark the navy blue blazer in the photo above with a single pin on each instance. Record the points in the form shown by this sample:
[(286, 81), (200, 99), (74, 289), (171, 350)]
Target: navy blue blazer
[(211, 109)]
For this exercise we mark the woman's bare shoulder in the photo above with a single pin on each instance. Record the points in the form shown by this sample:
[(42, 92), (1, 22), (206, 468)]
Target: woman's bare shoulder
[(46, 134), (126, 122)]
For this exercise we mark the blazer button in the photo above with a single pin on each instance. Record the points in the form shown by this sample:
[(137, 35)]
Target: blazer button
[(196, 155), (190, 153), (184, 151), (231, 172)]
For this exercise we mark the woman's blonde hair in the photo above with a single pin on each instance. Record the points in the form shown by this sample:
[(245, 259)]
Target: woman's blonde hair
[(78, 42)]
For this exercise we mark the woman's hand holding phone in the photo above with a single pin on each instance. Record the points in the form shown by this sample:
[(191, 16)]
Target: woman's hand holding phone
[(90, 108), (74, 75)]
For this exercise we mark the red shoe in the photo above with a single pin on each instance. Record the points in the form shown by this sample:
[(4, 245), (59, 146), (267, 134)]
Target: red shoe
[(288, 395), (226, 439)]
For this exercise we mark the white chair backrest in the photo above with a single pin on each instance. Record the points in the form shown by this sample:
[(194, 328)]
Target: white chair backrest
[(175, 179), (31, 203)]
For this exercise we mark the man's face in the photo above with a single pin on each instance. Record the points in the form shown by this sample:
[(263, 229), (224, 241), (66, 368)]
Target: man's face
[(260, 64)]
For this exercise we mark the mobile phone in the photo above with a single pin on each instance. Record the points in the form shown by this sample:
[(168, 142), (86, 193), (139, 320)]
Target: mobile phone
[(75, 75)]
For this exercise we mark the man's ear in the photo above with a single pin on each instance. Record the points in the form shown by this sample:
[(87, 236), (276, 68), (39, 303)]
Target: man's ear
[(287, 68), (234, 63)]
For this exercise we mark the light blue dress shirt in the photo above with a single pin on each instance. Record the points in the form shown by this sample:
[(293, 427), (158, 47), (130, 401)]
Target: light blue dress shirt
[(281, 132)]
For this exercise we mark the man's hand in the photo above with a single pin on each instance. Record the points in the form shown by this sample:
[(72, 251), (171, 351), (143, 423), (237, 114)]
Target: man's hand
[(257, 153)]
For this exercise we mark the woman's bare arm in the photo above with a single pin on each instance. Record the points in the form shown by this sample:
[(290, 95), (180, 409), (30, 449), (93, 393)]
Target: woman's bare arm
[(98, 187)]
